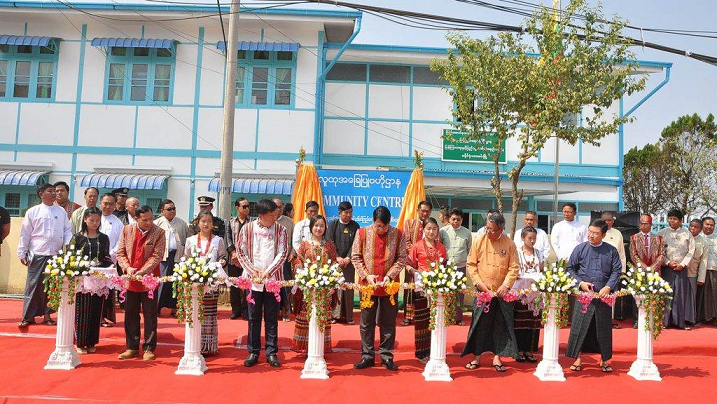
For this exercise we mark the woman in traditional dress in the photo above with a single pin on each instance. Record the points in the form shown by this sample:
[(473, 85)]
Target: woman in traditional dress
[(88, 310), (317, 247), (526, 324), (212, 247), (424, 252)]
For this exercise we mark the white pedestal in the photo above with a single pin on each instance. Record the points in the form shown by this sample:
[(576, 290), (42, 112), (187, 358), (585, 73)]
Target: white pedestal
[(549, 370), (643, 368), (436, 369), (192, 363), (315, 365), (64, 357)]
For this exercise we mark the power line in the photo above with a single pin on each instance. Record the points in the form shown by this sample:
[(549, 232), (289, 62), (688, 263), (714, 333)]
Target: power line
[(294, 86)]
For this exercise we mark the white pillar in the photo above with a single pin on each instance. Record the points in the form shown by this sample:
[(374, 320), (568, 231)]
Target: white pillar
[(64, 357), (436, 369), (549, 369), (643, 368), (192, 362), (315, 365)]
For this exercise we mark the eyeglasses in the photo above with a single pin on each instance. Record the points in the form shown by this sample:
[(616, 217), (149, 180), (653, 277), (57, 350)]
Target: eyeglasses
[(170, 209), (244, 206)]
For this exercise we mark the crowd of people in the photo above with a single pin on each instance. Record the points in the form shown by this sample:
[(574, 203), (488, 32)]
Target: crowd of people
[(115, 231)]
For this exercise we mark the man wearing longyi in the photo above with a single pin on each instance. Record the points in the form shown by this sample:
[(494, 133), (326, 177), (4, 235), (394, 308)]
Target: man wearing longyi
[(493, 267), (596, 266)]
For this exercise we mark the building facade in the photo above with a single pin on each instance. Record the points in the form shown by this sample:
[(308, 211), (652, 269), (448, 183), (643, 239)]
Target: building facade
[(112, 95)]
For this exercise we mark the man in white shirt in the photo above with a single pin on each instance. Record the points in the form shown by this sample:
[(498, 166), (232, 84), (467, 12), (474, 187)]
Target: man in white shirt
[(112, 226), (568, 234), (45, 229), (301, 228), (91, 195), (262, 248), (614, 238), (541, 242), (175, 231), (131, 205)]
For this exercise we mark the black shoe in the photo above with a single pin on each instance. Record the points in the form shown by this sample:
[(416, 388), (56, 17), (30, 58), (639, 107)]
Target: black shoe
[(251, 360), (234, 316), (273, 361), (365, 363), (388, 364)]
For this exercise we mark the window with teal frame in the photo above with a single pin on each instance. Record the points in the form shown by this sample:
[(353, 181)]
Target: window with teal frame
[(28, 73), (139, 75), (18, 199), (265, 79)]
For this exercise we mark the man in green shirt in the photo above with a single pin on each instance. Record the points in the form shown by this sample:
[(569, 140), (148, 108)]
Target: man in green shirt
[(457, 240)]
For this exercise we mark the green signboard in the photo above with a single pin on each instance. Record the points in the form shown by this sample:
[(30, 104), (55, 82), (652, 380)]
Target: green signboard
[(457, 148)]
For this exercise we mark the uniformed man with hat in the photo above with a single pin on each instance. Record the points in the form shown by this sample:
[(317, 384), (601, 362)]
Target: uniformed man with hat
[(206, 204), (121, 195)]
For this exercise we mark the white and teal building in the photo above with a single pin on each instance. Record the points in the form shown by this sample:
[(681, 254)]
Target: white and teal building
[(111, 95)]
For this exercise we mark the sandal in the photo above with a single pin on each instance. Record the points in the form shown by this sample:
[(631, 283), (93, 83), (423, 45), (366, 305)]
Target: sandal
[(499, 368), (106, 324), (576, 368), (25, 323), (472, 365), (606, 368), (405, 323), (520, 358), (49, 321), (530, 358)]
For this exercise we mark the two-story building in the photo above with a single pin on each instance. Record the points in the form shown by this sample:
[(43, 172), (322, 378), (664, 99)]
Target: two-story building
[(110, 95)]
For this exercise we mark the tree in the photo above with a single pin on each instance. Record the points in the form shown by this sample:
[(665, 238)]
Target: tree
[(648, 179), (689, 143), (502, 90)]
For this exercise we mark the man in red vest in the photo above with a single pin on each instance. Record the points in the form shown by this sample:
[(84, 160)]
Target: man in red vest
[(139, 252), (646, 250)]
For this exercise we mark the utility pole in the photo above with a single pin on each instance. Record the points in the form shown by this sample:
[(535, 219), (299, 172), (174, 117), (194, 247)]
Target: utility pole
[(225, 178), (557, 8)]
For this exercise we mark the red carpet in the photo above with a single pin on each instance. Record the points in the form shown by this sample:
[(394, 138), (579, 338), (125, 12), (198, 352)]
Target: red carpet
[(686, 360)]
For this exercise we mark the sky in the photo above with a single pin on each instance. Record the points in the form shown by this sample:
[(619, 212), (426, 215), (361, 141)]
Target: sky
[(692, 87)]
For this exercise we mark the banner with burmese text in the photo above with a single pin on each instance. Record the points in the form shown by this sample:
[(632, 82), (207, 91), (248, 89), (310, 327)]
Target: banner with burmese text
[(366, 190)]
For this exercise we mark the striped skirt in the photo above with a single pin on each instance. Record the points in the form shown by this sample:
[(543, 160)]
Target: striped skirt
[(421, 321), (300, 343), (527, 328), (210, 326), (88, 315)]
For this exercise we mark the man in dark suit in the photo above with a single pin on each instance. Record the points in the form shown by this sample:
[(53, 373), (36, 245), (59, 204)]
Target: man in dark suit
[(139, 252)]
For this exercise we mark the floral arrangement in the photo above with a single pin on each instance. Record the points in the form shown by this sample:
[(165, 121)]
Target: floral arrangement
[(69, 264), (556, 283), (442, 278), (654, 294), (194, 268), (318, 279)]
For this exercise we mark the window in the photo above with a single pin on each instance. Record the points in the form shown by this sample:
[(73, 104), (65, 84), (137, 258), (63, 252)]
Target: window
[(12, 203), (18, 199), (424, 75), (389, 74), (140, 75), (28, 72), (265, 79), (347, 72)]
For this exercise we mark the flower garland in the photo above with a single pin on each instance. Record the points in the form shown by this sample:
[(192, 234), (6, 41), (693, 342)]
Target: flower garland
[(317, 279), (652, 292), (195, 268), (445, 280), (391, 289), (69, 264), (555, 283)]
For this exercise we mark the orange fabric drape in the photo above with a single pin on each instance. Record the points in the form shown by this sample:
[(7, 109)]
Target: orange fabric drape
[(415, 193), (306, 188)]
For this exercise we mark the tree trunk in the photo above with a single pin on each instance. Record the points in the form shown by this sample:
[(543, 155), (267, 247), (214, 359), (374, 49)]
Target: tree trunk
[(495, 182), (517, 195)]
